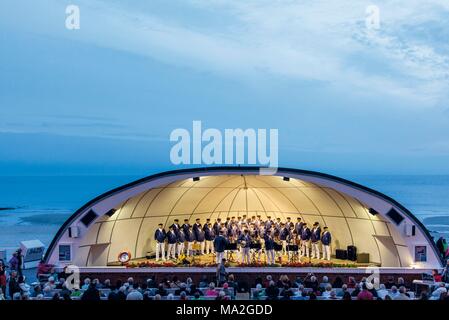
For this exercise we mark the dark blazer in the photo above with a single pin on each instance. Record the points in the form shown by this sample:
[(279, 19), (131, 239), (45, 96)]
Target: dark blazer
[(291, 237), (190, 236), (245, 238), (216, 228), (277, 226), (171, 237), (298, 227), (305, 234), (159, 235), (326, 238), (13, 287), (284, 234), (181, 236), (268, 224), (316, 234), (269, 243), (91, 294), (185, 227), (195, 229), (175, 227), (209, 233), (200, 235)]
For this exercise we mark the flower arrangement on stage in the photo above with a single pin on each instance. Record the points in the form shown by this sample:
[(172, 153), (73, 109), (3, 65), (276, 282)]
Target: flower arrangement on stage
[(199, 264), (169, 264), (255, 265), (203, 265), (149, 264)]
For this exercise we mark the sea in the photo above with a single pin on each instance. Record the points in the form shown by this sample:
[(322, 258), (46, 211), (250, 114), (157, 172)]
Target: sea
[(35, 207)]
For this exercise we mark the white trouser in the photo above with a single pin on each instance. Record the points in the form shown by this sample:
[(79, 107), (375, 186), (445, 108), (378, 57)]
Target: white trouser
[(259, 254), (326, 252), (202, 244), (290, 253), (305, 248), (160, 250), (284, 246), (180, 248), (171, 250), (209, 247), (220, 256), (245, 255), (270, 256), (278, 254), (315, 250), (189, 248)]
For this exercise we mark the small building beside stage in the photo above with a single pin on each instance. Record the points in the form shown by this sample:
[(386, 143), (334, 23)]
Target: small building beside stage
[(124, 219)]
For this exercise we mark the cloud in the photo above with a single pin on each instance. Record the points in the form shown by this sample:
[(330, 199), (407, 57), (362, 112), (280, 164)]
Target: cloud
[(322, 41), (313, 41)]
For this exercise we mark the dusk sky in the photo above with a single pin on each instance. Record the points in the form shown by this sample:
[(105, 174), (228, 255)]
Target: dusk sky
[(104, 99)]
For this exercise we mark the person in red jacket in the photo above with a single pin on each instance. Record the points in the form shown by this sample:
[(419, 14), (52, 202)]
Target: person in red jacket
[(436, 276), (365, 294), (43, 268), (3, 276)]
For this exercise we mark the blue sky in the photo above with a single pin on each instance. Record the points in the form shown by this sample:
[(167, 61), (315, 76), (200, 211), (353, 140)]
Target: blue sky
[(103, 99)]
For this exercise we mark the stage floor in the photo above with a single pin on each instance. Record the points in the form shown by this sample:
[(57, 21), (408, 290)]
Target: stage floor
[(208, 260)]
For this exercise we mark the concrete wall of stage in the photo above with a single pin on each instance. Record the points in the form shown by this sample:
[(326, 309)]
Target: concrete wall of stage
[(247, 275)]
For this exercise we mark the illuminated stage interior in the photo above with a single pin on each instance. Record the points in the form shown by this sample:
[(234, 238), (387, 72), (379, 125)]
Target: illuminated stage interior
[(235, 261)]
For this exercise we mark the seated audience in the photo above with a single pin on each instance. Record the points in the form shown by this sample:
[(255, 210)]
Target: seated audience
[(183, 296), (134, 293), (91, 294), (267, 281), (272, 288), (311, 282), (272, 291), (211, 292), (232, 283), (437, 277), (161, 290), (324, 283), (327, 291), (382, 292), (259, 292), (338, 282), (222, 296), (390, 283), (352, 284), (402, 294), (228, 292), (437, 293), (346, 296)]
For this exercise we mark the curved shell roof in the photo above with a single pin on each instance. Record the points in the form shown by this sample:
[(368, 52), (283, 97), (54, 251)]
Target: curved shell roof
[(132, 227)]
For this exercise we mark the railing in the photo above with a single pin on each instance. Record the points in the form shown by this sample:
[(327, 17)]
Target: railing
[(295, 291)]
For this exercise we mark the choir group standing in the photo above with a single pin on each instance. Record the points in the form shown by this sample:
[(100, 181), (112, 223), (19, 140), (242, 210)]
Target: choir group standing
[(270, 237)]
